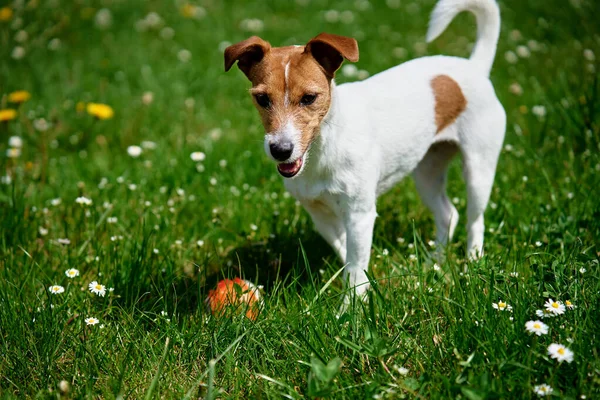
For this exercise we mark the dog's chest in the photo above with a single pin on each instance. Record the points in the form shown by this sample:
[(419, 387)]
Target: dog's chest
[(321, 193)]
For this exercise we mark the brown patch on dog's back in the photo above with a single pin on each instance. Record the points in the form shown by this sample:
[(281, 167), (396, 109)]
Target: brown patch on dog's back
[(449, 101)]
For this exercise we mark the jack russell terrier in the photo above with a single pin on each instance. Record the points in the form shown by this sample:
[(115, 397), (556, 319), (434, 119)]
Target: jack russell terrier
[(340, 147)]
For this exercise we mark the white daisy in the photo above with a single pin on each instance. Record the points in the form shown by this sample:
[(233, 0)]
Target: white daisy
[(402, 370), (544, 314), (537, 327), (184, 55), (362, 74), (589, 55), (134, 151), (349, 70), (148, 144), (570, 305), (167, 33), (91, 321), (15, 141), (555, 307), (511, 57), (539, 111), (198, 156), (18, 53), (13, 152), (41, 124), (84, 201), (103, 18), (252, 25), (560, 353), (97, 288), (523, 51), (543, 390), (56, 289), (72, 273), (515, 89), (147, 98), (63, 241), (502, 306)]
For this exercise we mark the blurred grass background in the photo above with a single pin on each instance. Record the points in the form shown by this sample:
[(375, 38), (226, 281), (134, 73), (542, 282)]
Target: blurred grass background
[(178, 225)]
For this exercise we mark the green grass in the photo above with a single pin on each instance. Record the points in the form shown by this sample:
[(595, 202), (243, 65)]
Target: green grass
[(155, 338)]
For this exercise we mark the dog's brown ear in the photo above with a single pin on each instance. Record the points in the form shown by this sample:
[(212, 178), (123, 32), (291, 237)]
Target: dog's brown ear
[(247, 53), (330, 50)]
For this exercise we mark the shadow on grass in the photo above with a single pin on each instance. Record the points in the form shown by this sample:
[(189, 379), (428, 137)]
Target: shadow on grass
[(277, 261)]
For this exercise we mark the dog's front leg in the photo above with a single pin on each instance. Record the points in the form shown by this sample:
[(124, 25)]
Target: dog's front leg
[(359, 221), (329, 225)]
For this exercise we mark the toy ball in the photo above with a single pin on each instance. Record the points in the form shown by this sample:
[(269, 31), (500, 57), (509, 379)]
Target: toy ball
[(235, 294)]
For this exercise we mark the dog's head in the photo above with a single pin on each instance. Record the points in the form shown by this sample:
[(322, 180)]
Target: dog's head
[(291, 88)]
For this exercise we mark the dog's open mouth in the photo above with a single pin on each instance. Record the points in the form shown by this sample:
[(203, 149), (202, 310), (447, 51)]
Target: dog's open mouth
[(290, 170)]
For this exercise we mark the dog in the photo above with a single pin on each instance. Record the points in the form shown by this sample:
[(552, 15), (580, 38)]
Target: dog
[(340, 147)]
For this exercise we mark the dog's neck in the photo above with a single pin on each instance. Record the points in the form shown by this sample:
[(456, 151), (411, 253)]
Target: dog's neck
[(328, 129), (333, 104)]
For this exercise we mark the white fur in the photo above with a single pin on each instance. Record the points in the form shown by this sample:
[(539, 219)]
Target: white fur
[(288, 133), (382, 129), (286, 100)]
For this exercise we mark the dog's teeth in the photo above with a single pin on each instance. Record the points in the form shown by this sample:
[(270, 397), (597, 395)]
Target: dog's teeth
[(290, 169)]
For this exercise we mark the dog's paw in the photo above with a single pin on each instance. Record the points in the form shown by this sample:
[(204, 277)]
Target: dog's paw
[(353, 298), (475, 254)]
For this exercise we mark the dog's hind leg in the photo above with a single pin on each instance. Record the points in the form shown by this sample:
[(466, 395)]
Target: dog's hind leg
[(479, 176), (480, 158), (430, 180)]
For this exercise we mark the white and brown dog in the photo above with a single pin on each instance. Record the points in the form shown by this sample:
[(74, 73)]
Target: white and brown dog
[(340, 147)]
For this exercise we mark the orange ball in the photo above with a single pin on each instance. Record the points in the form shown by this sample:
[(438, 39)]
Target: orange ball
[(237, 294)]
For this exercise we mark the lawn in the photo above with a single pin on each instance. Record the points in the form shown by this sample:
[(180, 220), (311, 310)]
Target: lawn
[(167, 190)]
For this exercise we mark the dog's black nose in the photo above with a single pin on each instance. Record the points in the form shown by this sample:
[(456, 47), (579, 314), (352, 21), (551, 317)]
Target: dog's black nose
[(281, 151)]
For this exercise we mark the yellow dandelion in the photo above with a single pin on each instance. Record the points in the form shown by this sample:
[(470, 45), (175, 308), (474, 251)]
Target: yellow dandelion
[(188, 10), (7, 114), (20, 96), (6, 13), (100, 111)]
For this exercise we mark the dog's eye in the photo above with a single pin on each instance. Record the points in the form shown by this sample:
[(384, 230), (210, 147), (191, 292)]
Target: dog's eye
[(263, 100), (308, 99)]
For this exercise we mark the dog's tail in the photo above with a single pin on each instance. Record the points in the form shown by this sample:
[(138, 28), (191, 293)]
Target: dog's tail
[(487, 14)]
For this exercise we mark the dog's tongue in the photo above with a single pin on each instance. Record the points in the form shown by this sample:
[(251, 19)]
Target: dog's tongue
[(290, 169)]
